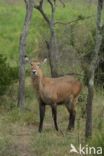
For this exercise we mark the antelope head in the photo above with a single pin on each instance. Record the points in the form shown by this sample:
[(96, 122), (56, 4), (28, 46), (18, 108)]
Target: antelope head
[(35, 66)]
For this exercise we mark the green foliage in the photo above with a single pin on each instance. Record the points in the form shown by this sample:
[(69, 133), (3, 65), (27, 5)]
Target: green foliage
[(7, 74)]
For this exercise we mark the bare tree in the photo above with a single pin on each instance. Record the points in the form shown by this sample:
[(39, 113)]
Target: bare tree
[(52, 43), (22, 49), (93, 65)]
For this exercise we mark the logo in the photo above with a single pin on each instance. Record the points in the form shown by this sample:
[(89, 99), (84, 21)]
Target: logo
[(85, 150)]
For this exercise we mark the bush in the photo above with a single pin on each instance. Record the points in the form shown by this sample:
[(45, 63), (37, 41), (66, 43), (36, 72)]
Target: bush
[(7, 74)]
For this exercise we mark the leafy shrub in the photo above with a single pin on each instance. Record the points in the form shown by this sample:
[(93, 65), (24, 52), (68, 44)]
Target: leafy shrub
[(7, 74)]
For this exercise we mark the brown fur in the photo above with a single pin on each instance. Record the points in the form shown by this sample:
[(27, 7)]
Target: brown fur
[(35, 84)]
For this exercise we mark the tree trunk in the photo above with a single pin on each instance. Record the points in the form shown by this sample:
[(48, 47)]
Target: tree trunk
[(22, 49), (53, 52), (94, 63), (53, 47), (53, 55)]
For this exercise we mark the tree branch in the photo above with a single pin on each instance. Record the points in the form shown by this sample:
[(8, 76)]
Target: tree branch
[(40, 8), (62, 3), (76, 20), (51, 4), (53, 7), (47, 44), (26, 3), (41, 4)]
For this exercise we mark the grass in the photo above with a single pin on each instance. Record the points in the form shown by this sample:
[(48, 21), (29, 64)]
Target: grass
[(19, 130)]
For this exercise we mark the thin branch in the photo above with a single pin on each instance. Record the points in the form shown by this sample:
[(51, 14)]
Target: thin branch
[(47, 44), (40, 8), (70, 22), (62, 3), (26, 3), (52, 5), (44, 16), (41, 4), (53, 8)]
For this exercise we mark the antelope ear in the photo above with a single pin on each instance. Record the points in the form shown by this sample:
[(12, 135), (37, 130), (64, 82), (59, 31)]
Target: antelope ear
[(27, 60), (45, 60)]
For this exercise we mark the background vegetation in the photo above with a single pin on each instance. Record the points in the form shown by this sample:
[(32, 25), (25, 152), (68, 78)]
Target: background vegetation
[(18, 131)]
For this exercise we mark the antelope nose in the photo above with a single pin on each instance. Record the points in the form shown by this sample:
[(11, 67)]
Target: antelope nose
[(34, 71)]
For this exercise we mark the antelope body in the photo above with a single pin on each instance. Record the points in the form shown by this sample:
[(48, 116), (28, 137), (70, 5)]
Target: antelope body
[(54, 91), (58, 90)]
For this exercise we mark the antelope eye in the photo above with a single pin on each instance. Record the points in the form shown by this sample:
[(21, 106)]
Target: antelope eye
[(38, 64)]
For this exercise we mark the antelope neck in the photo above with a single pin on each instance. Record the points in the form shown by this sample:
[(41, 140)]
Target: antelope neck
[(41, 79)]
